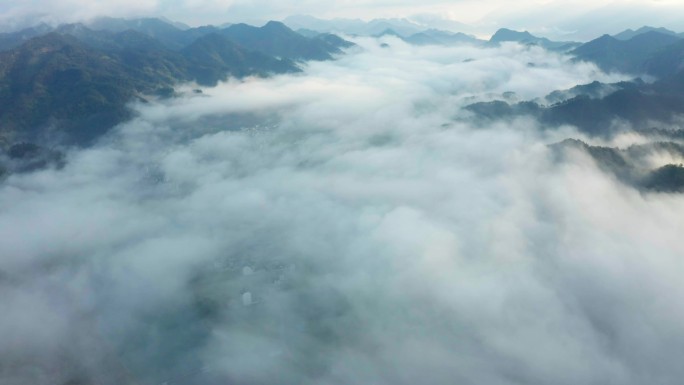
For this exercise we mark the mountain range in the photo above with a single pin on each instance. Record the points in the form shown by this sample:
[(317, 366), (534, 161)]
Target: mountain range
[(627, 56), (68, 85), (595, 110), (630, 33), (593, 107), (507, 35), (603, 110), (628, 164), (448, 38)]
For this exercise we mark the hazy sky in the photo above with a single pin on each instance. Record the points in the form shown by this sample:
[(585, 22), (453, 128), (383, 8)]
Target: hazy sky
[(556, 17)]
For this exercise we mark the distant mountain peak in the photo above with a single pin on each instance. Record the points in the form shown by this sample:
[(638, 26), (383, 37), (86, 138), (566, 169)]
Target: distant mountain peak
[(605, 37), (655, 34), (505, 34), (630, 33), (276, 26)]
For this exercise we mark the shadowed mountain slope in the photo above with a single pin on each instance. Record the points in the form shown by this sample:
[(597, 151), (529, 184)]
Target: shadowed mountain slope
[(629, 56), (70, 84)]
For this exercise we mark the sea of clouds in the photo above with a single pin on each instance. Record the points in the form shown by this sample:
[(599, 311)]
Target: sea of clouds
[(348, 225)]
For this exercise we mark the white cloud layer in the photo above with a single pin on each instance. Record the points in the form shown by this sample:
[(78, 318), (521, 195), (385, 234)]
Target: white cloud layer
[(345, 226)]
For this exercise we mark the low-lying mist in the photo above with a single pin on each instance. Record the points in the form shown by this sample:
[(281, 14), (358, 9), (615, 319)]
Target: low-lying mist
[(348, 225)]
